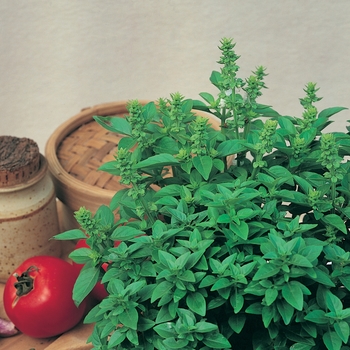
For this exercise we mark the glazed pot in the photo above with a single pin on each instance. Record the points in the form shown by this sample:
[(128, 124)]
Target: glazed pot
[(28, 220)]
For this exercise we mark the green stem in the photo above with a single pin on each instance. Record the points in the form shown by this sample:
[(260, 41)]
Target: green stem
[(254, 173), (333, 195), (143, 203), (223, 117), (148, 213), (234, 112)]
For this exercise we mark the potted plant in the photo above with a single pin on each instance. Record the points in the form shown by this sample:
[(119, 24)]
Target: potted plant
[(234, 238)]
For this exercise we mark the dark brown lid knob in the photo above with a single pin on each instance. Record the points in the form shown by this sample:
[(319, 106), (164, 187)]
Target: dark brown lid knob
[(19, 160)]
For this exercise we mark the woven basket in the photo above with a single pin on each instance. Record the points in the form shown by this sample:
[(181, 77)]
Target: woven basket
[(75, 151)]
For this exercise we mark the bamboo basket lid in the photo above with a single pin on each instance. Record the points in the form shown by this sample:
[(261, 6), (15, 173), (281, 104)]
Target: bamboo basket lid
[(75, 151)]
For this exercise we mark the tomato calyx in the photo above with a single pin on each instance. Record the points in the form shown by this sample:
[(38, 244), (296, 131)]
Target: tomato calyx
[(24, 282)]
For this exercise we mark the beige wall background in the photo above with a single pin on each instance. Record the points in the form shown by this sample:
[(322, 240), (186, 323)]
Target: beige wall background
[(60, 56)]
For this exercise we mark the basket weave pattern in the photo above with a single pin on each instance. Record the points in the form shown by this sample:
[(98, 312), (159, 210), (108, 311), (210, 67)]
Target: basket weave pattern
[(84, 150)]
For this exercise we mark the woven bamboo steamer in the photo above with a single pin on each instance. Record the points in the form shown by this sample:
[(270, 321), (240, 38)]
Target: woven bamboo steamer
[(74, 152)]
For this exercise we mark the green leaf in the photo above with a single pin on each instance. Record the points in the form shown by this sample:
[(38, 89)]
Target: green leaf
[(301, 346), (207, 97), (241, 229), (81, 255), (161, 289), (310, 328), (70, 235), (110, 167), (207, 281), (219, 164), (127, 143), (178, 295), (343, 314), (116, 338), (216, 341), (118, 198), (237, 322), (150, 112), (135, 287), (237, 301), (129, 318), (312, 252), (317, 316), (229, 147), (300, 260), (304, 184), (201, 106), (166, 259), (157, 161), (328, 112), (278, 171), (286, 123), (145, 324), (168, 201), (293, 295), (132, 336), (123, 233), (204, 165), (267, 314), (322, 277), (114, 124), (171, 343), (187, 105), (215, 303), (196, 303), (85, 282), (194, 258), (205, 327), (332, 340), (335, 221), (333, 303), (343, 330), (167, 145), (187, 276), (345, 280), (246, 213), (271, 295), (147, 269), (285, 310), (224, 219), (105, 216), (255, 309), (108, 329), (266, 111), (177, 215), (221, 283), (215, 78), (266, 271), (165, 330), (308, 135)]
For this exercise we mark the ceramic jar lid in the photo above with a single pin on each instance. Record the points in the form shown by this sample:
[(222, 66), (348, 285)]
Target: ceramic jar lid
[(19, 160)]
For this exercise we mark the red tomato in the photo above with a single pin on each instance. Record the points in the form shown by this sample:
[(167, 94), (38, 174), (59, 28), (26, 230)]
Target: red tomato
[(99, 291), (47, 309)]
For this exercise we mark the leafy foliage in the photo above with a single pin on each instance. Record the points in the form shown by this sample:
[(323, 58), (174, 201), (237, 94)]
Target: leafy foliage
[(235, 237)]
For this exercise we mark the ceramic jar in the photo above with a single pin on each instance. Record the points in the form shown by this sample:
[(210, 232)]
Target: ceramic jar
[(28, 220)]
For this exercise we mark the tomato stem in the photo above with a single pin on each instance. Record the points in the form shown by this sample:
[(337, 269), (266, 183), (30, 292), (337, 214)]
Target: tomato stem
[(24, 282)]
